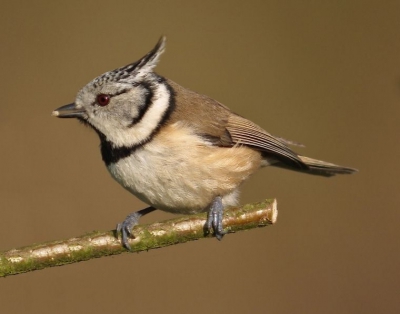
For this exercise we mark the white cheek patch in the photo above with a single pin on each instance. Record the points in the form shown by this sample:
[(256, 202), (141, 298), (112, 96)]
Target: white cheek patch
[(143, 129)]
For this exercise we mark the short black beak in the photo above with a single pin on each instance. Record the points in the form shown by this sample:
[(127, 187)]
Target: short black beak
[(69, 111)]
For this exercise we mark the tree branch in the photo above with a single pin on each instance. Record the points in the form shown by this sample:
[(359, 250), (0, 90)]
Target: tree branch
[(147, 237)]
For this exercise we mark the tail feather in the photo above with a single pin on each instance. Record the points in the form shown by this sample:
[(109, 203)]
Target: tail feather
[(318, 167)]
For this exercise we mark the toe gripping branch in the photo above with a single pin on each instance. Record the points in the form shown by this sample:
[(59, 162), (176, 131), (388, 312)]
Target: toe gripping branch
[(214, 219), (130, 221)]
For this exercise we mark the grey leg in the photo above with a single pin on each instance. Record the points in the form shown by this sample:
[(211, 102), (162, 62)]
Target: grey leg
[(130, 221), (214, 219)]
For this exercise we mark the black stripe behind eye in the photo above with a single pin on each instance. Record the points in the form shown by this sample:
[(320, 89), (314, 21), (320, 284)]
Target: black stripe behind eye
[(144, 106), (121, 92)]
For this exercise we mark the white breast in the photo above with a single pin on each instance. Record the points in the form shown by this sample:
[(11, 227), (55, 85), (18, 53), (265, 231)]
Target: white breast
[(179, 172)]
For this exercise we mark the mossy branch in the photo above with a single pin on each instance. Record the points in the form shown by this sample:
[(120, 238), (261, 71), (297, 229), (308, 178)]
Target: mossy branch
[(147, 237)]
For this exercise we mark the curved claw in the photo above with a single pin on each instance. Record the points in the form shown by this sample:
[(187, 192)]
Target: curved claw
[(126, 226), (130, 221), (214, 219)]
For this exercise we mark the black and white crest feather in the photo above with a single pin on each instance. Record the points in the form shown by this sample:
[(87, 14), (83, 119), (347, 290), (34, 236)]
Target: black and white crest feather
[(135, 71)]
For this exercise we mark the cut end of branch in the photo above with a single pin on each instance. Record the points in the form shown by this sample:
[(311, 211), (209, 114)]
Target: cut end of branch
[(274, 211)]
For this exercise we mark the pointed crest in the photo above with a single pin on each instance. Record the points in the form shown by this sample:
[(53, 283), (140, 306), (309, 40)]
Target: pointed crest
[(148, 62), (136, 70)]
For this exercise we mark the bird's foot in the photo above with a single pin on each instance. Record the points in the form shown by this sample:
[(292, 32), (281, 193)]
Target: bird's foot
[(130, 221), (214, 219)]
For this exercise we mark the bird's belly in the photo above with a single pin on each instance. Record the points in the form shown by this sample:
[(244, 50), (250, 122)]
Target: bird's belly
[(169, 190), (184, 176)]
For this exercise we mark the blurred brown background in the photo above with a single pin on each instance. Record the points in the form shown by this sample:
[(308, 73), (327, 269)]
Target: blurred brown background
[(324, 73)]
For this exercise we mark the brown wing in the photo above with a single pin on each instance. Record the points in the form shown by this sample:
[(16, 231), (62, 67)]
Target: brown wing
[(220, 126), (243, 131), (204, 115)]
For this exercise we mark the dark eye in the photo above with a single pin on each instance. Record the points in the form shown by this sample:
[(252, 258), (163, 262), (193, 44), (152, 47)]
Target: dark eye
[(103, 100)]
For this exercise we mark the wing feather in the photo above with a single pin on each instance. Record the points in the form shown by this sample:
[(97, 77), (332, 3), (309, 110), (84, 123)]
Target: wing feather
[(243, 131)]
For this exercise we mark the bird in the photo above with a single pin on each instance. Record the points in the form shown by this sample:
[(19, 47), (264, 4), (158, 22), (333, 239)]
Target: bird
[(177, 150)]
